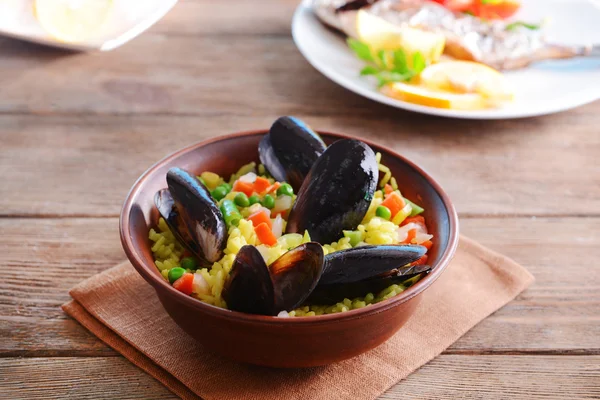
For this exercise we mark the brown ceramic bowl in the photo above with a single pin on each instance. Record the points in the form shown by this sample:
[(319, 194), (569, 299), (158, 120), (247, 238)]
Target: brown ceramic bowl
[(272, 341)]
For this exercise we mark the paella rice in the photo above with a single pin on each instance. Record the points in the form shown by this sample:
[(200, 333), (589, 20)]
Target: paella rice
[(275, 199)]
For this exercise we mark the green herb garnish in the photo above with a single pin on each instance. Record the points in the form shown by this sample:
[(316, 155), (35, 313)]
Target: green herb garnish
[(362, 50), (419, 62), (400, 62), (517, 24), (387, 65), (369, 70)]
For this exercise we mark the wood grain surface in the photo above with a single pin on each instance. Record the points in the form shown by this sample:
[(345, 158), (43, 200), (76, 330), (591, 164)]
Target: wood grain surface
[(448, 376), (76, 130)]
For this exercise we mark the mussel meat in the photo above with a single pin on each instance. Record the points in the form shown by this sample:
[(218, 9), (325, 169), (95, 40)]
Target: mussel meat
[(192, 216), (358, 263), (336, 193), (335, 292), (289, 150), (255, 288)]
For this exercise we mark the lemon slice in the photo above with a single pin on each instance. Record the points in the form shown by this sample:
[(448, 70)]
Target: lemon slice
[(431, 45), (380, 34), (467, 77), (72, 20), (434, 98)]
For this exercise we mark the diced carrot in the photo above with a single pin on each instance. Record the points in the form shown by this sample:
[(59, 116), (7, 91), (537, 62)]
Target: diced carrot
[(394, 202), (388, 188), (421, 261), (245, 187), (259, 218), (412, 233), (185, 283), (419, 220), (264, 234), (261, 184), (273, 187), (427, 243)]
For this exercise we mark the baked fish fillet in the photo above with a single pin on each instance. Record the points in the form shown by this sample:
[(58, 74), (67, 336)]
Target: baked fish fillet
[(467, 37)]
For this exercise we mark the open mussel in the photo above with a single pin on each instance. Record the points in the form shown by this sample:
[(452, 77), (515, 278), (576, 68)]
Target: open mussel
[(192, 216), (166, 207), (250, 288), (295, 274), (255, 288), (289, 150), (335, 292), (336, 193), (359, 263)]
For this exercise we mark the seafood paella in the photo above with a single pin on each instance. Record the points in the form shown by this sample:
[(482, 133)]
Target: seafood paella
[(306, 230)]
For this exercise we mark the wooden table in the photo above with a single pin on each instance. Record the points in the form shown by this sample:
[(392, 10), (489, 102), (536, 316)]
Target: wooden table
[(76, 130)]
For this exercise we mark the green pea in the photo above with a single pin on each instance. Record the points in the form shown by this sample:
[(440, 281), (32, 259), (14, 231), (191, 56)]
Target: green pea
[(286, 190), (175, 273), (268, 201), (241, 200), (253, 199), (202, 181), (383, 212), (227, 186), (189, 263), (219, 192)]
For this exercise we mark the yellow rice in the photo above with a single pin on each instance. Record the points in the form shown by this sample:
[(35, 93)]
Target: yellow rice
[(167, 251)]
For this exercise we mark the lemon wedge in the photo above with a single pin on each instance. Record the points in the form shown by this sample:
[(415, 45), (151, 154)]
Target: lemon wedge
[(467, 77), (380, 34), (72, 20), (434, 98)]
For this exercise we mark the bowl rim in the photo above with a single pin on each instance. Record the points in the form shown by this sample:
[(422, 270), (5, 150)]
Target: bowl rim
[(155, 280)]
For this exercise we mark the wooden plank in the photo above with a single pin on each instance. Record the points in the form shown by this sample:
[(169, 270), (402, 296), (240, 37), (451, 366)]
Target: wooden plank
[(502, 377), (52, 260), (561, 254), (85, 165), (77, 378), (446, 377), (54, 336), (228, 18), (43, 258), (177, 75)]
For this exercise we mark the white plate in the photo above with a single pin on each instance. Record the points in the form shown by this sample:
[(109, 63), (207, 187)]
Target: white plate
[(127, 20), (544, 88)]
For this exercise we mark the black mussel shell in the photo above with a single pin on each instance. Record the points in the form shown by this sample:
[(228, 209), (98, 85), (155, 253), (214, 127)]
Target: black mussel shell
[(249, 288), (257, 289), (359, 263), (295, 274), (336, 193), (289, 150), (198, 223), (166, 207), (336, 292)]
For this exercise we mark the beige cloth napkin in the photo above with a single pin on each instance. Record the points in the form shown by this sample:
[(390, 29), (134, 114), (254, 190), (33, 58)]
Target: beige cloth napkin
[(120, 308)]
